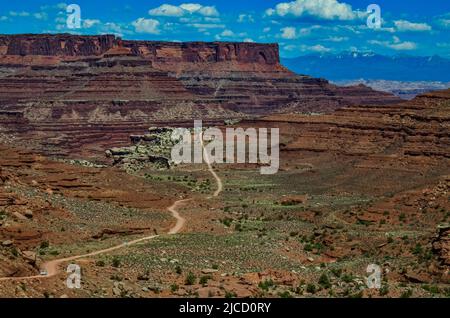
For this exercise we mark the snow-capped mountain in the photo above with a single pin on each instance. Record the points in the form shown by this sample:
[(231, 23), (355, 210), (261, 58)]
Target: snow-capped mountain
[(371, 66)]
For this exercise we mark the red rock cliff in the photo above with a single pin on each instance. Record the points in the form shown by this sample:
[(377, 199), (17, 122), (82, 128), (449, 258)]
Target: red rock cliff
[(66, 45)]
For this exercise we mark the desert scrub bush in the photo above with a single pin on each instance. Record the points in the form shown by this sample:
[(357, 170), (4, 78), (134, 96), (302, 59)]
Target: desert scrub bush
[(174, 288), (44, 244), (336, 272), (384, 290), (227, 222), (100, 263), (266, 284), (115, 262), (178, 270), (311, 288), (407, 294), (347, 278), (285, 294), (417, 249), (230, 294), (433, 289), (190, 279), (324, 281), (204, 280), (14, 252)]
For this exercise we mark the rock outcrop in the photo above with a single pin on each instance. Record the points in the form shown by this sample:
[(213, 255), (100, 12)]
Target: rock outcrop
[(67, 45), (441, 245)]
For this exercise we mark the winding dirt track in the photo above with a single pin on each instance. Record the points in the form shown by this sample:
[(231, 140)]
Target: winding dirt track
[(52, 267)]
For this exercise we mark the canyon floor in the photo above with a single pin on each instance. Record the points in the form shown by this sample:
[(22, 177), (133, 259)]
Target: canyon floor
[(361, 186)]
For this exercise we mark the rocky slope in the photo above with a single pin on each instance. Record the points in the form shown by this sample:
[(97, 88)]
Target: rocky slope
[(94, 91), (415, 130)]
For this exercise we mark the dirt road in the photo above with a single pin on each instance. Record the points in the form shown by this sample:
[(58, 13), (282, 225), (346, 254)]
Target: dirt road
[(52, 268)]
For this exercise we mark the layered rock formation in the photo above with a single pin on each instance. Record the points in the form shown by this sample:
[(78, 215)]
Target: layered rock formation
[(72, 90), (416, 130)]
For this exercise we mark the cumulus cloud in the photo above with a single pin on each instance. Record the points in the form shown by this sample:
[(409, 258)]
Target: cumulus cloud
[(396, 44), (289, 33), (316, 48), (89, 23), (245, 18), (227, 33), (323, 9), (405, 26), (143, 25), (445, 23), (168, 10)]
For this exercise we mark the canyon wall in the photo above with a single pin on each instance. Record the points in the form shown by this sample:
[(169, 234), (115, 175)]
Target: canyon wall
[(66, 91), (66, 45)]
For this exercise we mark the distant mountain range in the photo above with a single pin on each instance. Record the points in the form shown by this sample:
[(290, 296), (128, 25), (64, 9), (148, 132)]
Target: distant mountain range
[(371, 66), (405, 90)]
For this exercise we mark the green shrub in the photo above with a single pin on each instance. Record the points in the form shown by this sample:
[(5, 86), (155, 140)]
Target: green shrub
[(116, 262), (44, 244), (324, 281), (266, 284), (311, 288), (190, 279), (204, 280), (100, 263)]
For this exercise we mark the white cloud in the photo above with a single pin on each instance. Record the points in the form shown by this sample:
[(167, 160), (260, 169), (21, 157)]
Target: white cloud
[(336, 39), (227, 33), (168, 10), (89, 23), (289, 33), (445, 23), (150, 26), (249, 40), (207, 26), (209, 19), (405, 26), (245, 18), (4, 18), (111, 27), (404, 46), (19, 14), (323, 9), (40, 15), (316, 48), (396, 44), (209, 12)]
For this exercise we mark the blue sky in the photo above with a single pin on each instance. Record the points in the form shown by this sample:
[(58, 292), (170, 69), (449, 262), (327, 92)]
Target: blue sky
[(415, 27)]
